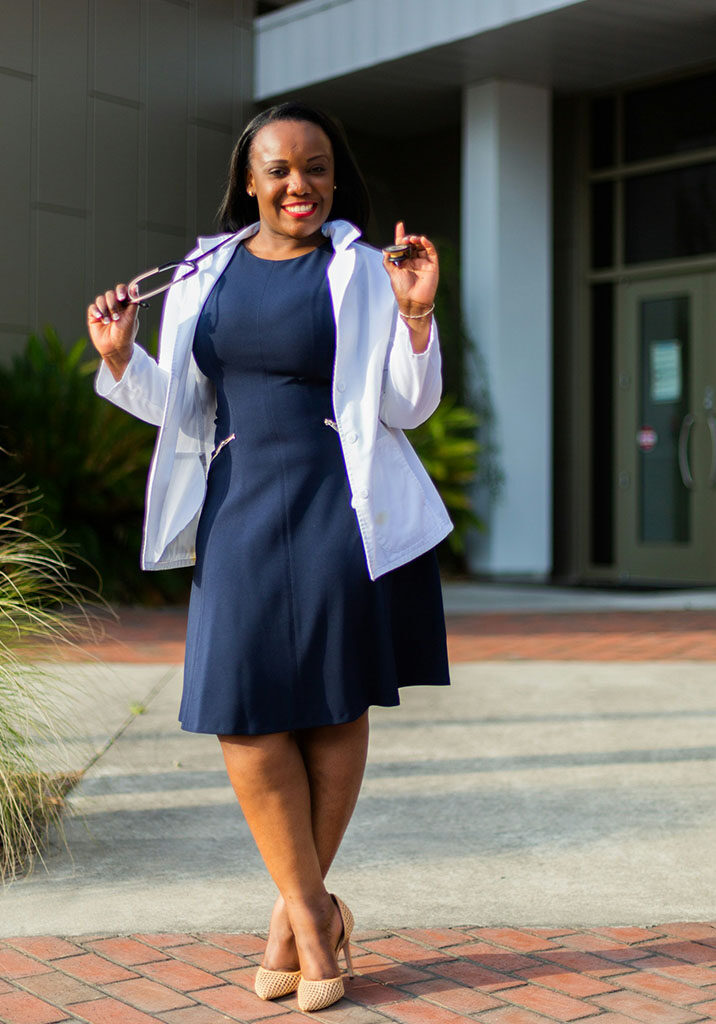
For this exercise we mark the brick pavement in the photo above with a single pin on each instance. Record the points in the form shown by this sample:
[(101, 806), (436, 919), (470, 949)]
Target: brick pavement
[(157, 635), (663, 974)]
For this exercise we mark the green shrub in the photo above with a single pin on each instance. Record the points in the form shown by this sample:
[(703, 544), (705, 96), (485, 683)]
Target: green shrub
[(87, 460), (447, 448)]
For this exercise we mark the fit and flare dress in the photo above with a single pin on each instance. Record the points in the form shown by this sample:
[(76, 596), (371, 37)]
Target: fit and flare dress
[(286, 629)]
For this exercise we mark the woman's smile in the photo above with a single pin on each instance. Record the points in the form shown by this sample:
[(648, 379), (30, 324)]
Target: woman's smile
[(300, 210)]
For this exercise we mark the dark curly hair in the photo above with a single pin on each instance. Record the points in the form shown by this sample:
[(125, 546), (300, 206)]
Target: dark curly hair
[(350, 200)]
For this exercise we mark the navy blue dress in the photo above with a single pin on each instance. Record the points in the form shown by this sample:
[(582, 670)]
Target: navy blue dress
[(286, 629)]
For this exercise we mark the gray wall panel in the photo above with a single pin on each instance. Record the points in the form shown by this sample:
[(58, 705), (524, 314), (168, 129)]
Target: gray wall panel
[(62, 94), (11, 342), (116, 156), (242, 78), (213, 151), (16, 121), (16, 37), (214, 58), (116, 48), (62, 296), (167, 111), (112, 153)]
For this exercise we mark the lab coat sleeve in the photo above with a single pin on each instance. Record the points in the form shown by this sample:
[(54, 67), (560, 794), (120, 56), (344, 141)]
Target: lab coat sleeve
[(142, 389), (412, 381)]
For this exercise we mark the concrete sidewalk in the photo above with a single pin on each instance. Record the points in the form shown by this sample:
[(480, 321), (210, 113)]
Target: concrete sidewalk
[(569, 795)]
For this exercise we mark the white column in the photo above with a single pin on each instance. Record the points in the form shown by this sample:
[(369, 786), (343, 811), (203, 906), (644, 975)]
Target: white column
[(506, 289)]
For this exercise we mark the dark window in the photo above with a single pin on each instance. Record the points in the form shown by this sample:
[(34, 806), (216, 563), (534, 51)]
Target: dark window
[(602, 224), (664, 502), (602, 132), (671, 214), (602, 359), (671, 118)]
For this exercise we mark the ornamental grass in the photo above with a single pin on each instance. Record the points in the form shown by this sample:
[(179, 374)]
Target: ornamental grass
[(39, 605)]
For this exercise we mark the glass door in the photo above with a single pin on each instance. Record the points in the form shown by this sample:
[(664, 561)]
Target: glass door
[(666, 431)]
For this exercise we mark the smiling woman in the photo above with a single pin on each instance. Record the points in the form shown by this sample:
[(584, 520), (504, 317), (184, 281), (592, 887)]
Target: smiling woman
[(349, 196), (291, 175), (289, 365)]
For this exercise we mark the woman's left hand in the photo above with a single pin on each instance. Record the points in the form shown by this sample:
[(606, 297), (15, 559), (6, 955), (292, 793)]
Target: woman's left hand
[(414, 281)]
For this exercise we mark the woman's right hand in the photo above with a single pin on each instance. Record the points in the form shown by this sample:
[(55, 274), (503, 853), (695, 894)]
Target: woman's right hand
[(112, 322)]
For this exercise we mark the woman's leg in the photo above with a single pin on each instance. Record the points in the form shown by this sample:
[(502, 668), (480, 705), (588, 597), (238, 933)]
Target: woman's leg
[(272, 781), (334, 758)]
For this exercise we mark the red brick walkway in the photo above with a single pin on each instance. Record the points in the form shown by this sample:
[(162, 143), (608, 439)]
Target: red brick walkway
[(157, 635), (665, 974)]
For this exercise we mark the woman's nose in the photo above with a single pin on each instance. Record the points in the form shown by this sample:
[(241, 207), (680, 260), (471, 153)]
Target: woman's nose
[(296, 184)]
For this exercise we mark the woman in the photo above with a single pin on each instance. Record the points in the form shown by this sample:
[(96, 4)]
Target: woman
[(289, 365)]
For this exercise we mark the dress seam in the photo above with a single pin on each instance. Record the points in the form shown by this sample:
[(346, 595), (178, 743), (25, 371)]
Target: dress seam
[(286, 519)]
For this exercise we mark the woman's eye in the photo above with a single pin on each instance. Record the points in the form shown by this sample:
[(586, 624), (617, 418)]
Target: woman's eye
[(318, 170)]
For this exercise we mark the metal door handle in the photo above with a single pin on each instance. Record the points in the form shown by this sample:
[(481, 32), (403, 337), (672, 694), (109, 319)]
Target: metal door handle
[(711, 420), (684, 433)]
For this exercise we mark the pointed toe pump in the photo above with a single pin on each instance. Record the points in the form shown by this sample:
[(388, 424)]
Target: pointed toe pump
[(275, 984), (317, 995)]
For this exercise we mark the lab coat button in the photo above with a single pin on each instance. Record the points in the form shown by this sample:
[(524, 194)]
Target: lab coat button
[(341, 385), (352, 437), (364, 492)]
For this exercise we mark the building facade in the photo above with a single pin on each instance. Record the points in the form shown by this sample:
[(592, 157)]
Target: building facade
[(117, 119), (566, 149)]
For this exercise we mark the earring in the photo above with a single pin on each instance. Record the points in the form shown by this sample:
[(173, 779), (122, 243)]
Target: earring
[(249, 193), (335, 187)]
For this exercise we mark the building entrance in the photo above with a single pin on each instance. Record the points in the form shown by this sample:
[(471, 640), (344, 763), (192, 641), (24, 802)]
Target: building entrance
[(645, 501), (665, 451)]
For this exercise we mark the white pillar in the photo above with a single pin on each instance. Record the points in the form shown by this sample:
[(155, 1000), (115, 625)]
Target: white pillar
[(506, 290)]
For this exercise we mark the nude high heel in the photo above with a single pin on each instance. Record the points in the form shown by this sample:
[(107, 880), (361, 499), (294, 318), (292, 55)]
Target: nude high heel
[(317, 995), (274, 984)]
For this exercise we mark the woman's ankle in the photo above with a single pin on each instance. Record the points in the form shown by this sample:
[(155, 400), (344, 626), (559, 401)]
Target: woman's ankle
[(317, 929), (280, 953)]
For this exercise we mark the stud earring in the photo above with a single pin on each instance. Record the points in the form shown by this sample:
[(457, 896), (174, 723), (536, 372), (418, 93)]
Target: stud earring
[(249, 193)]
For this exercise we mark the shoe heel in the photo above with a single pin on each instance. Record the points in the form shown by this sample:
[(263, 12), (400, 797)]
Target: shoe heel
[(348, 959)]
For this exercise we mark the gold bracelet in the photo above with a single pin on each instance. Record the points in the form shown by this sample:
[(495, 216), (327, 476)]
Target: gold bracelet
[(418, 316)]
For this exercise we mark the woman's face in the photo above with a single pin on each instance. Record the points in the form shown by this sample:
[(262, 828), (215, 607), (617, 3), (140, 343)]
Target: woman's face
[(291, 173)]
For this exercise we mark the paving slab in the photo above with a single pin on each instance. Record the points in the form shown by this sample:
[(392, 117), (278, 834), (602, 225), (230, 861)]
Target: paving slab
[(534, 793)]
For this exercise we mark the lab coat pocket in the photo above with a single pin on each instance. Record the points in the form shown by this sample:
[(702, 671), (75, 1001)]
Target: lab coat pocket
[(398, 502)]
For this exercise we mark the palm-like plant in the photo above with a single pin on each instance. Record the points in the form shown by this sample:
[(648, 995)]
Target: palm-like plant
[(87, 460), (447, 447)]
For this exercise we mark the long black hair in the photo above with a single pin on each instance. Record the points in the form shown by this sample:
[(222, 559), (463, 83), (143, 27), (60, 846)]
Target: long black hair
[(350, 200)]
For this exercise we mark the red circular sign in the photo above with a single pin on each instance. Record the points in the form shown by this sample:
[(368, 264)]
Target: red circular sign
[(646, 438)]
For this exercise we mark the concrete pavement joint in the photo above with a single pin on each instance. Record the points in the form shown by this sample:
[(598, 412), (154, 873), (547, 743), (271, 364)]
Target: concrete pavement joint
[(132, 717)]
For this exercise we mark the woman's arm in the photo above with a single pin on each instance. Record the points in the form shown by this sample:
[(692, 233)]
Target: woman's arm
[(128, 376), (412, 381), (414, 282)]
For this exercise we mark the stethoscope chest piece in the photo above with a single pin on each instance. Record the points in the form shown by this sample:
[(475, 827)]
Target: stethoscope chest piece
[(398, 253)]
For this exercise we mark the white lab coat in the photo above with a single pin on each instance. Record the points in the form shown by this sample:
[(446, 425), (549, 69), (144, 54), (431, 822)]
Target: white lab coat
[(380, 386)]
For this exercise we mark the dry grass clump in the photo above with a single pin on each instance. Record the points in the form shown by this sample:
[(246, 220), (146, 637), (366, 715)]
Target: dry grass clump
[(38, 602)]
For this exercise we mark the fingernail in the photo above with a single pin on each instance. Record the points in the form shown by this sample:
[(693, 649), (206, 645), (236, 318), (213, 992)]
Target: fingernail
[(115, 316), (106, 320)]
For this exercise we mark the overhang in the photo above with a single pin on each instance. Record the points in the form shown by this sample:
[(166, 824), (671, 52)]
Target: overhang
[(373, 61)]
